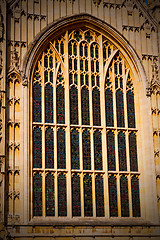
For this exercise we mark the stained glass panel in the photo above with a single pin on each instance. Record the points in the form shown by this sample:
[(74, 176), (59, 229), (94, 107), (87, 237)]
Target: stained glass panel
[(61, 150), (135, 196), (46, 76), (113, 207), (73, 105), (88, 208), (96, 107), (37, 109), (49, 148), (124, 196), (76, 196), (133, 152), (48, 103), (86, 150), (62, 196), (130, 109), (122, 152), (99, 196), (75, 149), (85, 106), (60, 104), (50, 195), (120, 108), (45, 61), (109, 108), (97, 150), (111, 151), (37, 148), (37, 195)]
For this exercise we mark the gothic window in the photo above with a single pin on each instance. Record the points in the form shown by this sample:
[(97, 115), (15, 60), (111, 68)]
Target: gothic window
[(84, 135)]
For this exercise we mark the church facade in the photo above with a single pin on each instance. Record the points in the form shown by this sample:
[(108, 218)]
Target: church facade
[(79, 119)]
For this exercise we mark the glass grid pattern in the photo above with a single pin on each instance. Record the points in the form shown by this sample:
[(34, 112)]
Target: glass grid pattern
[(71, 136)]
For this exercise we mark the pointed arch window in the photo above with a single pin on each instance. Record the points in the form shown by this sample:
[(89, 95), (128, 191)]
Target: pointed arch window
[(84, 135)]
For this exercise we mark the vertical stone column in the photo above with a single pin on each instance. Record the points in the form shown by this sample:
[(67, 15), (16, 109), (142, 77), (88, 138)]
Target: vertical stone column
[(2, 106)]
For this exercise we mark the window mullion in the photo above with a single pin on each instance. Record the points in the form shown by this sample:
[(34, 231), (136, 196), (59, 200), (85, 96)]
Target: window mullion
[(130, 196), (93, 194), (43, 139), (90, 88), (82, 194), (54, 89), (103, 123), (79, 87), (118, 196), (43, 195), (114, 99), (67, 121), (56, 193)]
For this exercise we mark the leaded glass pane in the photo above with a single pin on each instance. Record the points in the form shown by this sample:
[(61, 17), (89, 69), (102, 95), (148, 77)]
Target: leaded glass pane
[(61, 149), (97, 150), (85, 106), (111, 151), (99, 196), (122, 152), (76, 196), (50, 195), (62, 195), (75, 149), (48, 104), (37, 195), (133, 152), (45, 61), (74, 105), (96, 107), (86, 150), (37, 148), (60, 104), (46, 76), (109, 108), (124, 196), (113, 207), (130, 109), (88, 208), (49, 148), (135, 196), (37, 108), (120, 108)]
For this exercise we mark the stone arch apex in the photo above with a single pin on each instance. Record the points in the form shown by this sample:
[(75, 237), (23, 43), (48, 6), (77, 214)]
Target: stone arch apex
[(43, 38)]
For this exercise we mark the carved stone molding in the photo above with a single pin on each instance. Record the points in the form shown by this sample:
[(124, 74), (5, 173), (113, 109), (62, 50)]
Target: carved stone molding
[(24, 79), (21, 44), (2, 163), (13, 194), (97, 2), (154, 84), (14, 146), (12, 219), (1, 26), (14, 59)]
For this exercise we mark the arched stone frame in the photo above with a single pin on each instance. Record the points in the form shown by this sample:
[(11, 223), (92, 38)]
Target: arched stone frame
[(142, 109)]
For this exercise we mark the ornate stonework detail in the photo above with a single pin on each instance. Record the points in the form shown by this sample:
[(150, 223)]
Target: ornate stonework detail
[(13, 195), (154, 84), (2, 98), (12, 219), (97, 2), (14, 146), (14, 59), (24, 79), (1, 26)]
